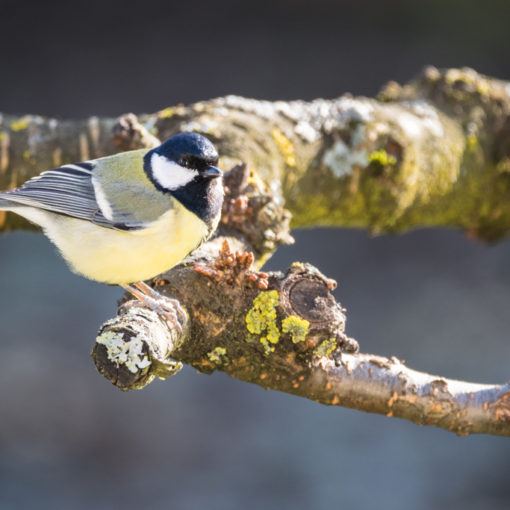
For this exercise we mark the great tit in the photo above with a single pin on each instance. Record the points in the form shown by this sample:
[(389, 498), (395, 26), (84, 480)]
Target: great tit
[(126, 218)]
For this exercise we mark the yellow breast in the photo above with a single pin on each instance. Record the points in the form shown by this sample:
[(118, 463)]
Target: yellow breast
[(119, 257)]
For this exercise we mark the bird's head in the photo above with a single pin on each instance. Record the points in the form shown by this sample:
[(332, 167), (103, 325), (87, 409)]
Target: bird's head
[(184, 159), (185, 167)]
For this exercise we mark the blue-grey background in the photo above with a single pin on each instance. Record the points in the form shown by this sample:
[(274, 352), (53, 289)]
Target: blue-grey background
[(70, 440)]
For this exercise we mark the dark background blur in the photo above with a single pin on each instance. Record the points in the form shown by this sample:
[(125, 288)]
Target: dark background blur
[(70, 440)]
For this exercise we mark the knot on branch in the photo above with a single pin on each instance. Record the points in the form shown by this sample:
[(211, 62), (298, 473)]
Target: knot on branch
[(129, 134), (306, 293), (132, 349), (254, 211)]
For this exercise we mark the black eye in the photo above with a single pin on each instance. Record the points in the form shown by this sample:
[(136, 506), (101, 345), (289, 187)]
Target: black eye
[(184, 162)]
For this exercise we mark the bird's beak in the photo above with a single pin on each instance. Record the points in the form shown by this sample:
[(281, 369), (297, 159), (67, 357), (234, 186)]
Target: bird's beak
[(212, 172)]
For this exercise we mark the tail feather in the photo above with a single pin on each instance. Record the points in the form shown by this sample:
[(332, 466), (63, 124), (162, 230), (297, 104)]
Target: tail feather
[(5, 204)]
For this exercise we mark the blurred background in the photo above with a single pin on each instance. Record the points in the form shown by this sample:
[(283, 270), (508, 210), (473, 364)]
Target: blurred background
[(70, 440)]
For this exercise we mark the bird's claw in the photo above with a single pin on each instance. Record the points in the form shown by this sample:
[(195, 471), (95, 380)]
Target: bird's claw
[(169, 308), (173, 312)]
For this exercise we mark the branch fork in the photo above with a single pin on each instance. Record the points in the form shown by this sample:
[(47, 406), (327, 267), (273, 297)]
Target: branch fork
[(434, 152)]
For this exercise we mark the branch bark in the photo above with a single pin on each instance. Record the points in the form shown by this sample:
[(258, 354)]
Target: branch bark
[(433, 152)]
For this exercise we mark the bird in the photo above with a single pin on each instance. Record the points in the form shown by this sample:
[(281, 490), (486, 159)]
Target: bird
[(126, 218)]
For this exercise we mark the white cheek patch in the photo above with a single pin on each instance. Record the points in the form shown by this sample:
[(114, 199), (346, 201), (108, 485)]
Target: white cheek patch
[(170, 175)]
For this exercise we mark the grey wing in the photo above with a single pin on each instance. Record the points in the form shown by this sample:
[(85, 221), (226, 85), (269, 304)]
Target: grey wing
[(66, 190)]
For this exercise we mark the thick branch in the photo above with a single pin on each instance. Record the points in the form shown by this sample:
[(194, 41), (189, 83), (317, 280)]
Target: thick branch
[(434, 152), (286, 333)]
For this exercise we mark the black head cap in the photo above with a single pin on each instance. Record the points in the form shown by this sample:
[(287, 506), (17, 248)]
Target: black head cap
[(189, 149)]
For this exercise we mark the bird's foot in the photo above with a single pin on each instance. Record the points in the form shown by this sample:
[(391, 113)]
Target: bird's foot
[(162, 305)]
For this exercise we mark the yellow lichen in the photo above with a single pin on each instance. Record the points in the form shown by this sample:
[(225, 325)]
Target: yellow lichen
[(166, 113), (28, 157), (261, 319), (284, 146), (254, 179), (19, 125), (268, 348), (472, 142), (326, 347), (217, 355), (381, 157), (296, 327)]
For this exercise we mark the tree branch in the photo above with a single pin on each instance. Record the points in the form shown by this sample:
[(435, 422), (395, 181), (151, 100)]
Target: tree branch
[(283, 332), (434, 152)]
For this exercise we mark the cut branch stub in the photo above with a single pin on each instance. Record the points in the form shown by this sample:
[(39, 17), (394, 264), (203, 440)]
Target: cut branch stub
[(132, 349), (306, 293)]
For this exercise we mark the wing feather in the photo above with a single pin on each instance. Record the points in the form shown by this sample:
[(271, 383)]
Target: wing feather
[(68, 190)]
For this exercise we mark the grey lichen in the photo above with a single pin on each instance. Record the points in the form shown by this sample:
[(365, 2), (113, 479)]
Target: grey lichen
[(341, 159), (133, 348), (128, 353)]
